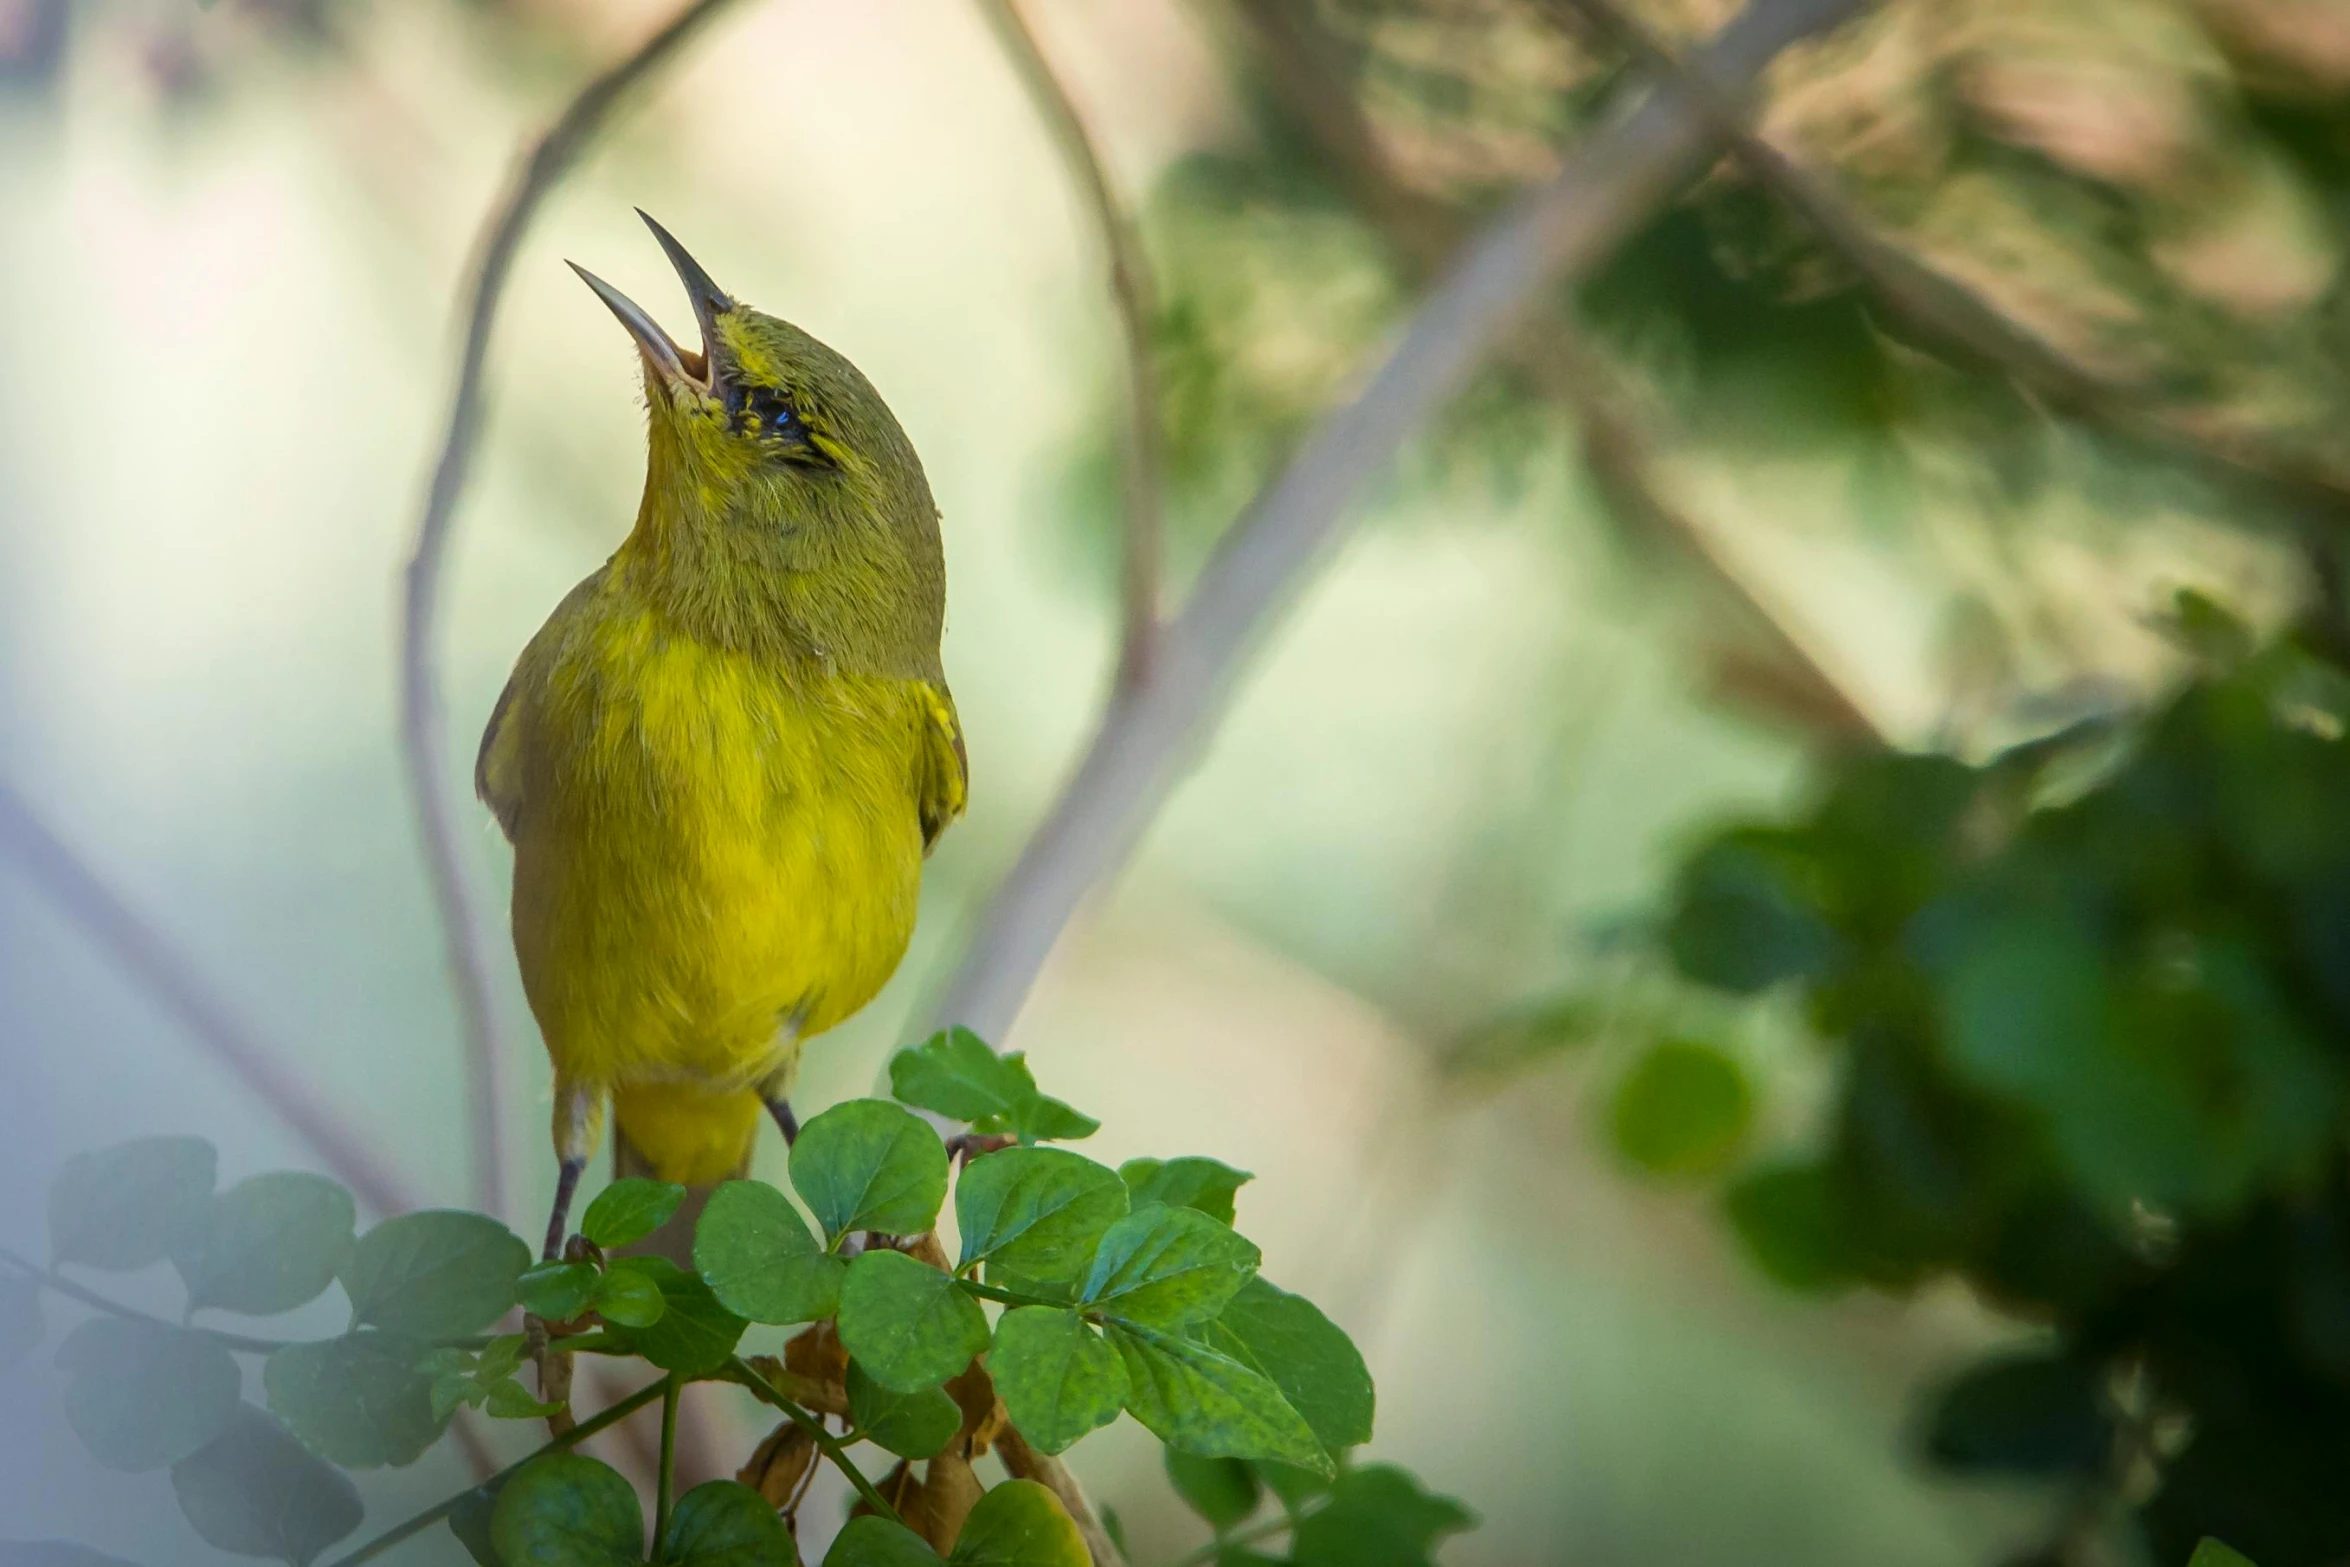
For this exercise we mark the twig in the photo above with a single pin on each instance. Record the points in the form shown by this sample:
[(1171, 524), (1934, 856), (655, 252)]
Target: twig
[(1961, 323), (58, 1282), (571, 1438), (1214, 1550), (262, 1068), (1422, 230), (423, 735), (1134, 294), (1557, 231)]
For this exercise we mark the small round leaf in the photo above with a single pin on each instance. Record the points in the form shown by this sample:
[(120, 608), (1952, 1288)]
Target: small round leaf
[(360, 1400), (870, 1165), (127, 1206), (878, 1542), (268, 1244), (1682, 1110), (566, 1510), (694, 1335), (724, 1523), (1019, 1524), (435, 1275), (908, 1324), (755, 1250), (1056, 1376), (145, 1394), (255, 1491), (630, 1209)]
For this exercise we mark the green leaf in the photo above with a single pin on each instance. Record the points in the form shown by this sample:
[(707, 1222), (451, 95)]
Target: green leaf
[(694, 1335), (559, 1291), (22, 1326), (628, 1295), (1309, 1357), (1056, 1376), (956, 1074), (469, 1521), (510, 1400), (878, 1542), (1205, 1402), (566, 1510), (1682, 1110), (628, 1210), (1224, 1491), (268, 1244), (1377, 1516), (2031, 1414), (53, 1553), (255, 1491), (434, 1275), (1040, 1118), (1039, 1212), (144, 1394), (1019, 1524), (1167, 1268), (911, 1425), (1792, 1225), (908, 1324), (724, 1523), (867, 1164), (755, 1250), (1190, 1182), (2211, 1553), (362, 1400), (124, 1207)]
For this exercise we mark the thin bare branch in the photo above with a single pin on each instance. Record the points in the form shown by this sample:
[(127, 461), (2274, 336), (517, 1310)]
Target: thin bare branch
[(473, 959), (266, 1070), (1422, 230), (1135, 295), (1619, 451), (1148, 734), (1961, 323)]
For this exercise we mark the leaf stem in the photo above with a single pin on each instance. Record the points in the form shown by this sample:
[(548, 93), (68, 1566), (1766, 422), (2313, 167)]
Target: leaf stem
[(1010, 1297), (666, 1484), (571, 1438), (743, 1372)]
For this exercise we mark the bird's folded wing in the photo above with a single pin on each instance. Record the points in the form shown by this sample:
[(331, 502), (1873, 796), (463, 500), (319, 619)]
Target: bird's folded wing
[(946, 768)]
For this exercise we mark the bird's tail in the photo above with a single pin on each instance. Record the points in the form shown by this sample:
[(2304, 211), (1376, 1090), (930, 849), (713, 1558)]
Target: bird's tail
[(682, 1132)]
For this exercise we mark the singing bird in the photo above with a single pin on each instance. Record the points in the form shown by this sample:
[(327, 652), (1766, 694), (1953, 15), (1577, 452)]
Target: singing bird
[(725, 756)]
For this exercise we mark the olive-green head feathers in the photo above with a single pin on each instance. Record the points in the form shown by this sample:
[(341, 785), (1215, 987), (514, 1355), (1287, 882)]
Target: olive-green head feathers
[(784, 507)]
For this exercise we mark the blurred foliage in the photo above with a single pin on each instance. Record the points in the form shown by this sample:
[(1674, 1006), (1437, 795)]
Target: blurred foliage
[(2089, 1004)]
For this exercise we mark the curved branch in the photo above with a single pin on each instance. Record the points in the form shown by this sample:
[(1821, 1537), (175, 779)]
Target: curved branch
[(1135, 295), (266, 1070), (1557, 232), (472, 961)]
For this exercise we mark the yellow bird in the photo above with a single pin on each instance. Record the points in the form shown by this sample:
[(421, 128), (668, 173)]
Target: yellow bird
[(723, 759)]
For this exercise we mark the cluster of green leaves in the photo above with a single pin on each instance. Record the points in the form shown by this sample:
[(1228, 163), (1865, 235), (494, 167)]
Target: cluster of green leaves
[(2091, 1008), (1113, 1290), (146, 1394)]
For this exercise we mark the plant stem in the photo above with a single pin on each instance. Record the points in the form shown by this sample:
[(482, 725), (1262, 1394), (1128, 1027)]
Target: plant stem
[(1223, 1542), (741, 1371), (571, 1438), (115, 1308), (666, 1483)]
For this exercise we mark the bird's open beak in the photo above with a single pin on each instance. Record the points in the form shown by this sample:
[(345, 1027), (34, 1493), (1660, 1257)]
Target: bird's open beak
[(678, 366)]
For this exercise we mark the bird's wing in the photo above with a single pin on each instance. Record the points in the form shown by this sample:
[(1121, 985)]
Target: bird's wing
[(497, 767), (946, 767)]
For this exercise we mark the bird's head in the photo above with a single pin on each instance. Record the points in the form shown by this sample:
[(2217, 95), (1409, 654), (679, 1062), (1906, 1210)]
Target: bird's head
[(779, 483)]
